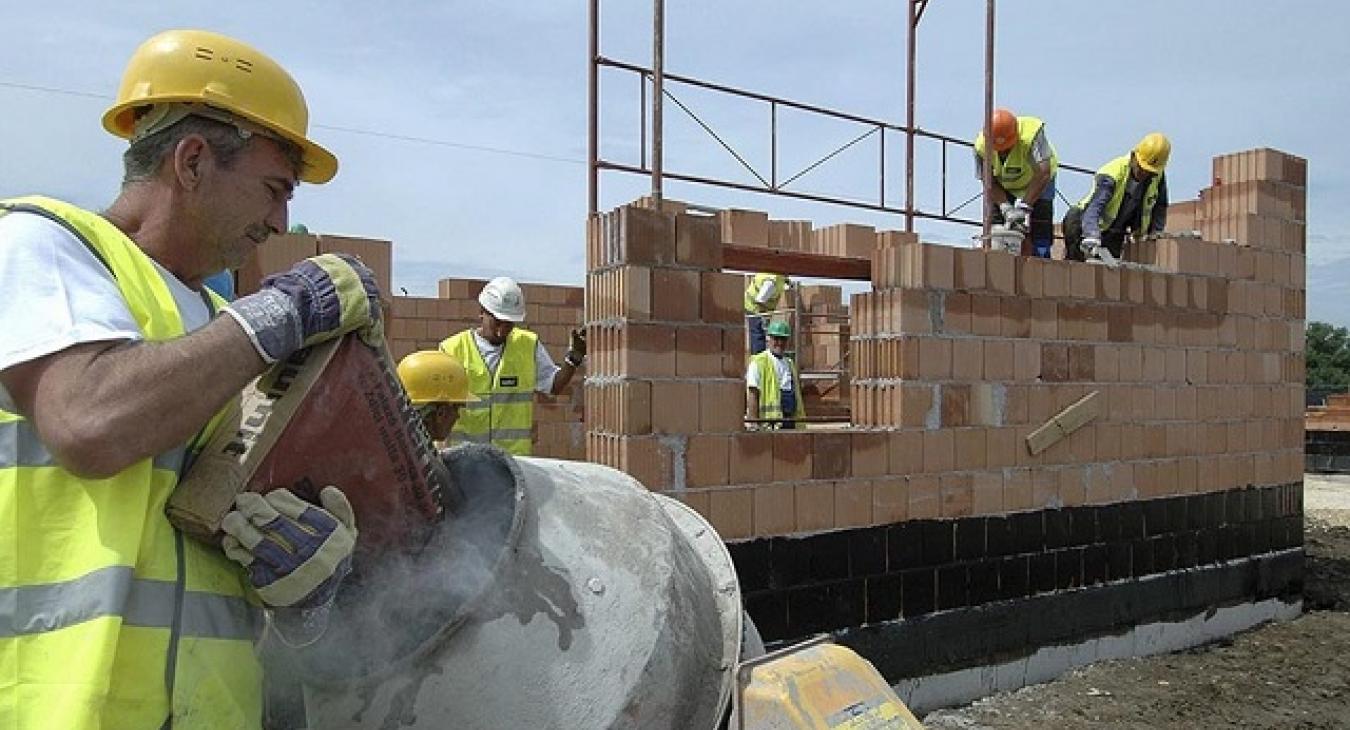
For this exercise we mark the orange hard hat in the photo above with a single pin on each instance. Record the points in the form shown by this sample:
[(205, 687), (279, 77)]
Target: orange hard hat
[(1004, 125)]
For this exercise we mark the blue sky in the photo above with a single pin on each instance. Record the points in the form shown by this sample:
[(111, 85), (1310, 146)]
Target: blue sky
[(461, 126)]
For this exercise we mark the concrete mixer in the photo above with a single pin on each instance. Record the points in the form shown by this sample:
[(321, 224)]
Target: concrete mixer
[(562, 595)]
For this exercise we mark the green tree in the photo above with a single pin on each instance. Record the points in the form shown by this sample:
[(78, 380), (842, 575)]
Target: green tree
[(1328, 356)]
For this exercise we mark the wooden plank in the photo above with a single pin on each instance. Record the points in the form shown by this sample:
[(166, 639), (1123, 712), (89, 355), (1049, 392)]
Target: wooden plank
[(1064, 423), (796, 263)]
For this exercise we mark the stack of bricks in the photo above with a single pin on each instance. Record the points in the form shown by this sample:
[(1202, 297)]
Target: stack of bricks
[(664, 392), (755, 229), (421, 323), (822, 347)]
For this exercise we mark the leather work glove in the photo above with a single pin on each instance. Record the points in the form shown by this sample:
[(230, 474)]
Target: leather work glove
[(576, 347), (296, 553), (318, 299)]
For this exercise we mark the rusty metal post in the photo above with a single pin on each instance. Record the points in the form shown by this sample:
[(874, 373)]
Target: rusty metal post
[(658, 92), (593, 121), (909, 113), (989, 151)]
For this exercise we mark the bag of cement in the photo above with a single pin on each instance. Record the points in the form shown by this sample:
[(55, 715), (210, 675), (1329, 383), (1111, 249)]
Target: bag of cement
[(335, 414)]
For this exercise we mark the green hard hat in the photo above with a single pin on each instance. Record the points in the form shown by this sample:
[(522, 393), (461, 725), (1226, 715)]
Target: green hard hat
[(779, 329)]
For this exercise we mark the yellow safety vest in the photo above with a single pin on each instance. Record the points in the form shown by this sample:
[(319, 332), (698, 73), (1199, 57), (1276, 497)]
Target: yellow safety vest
[(1119, 170), (770, 394), (1014, 170), (752, 291), (504, 413), (114, 620)]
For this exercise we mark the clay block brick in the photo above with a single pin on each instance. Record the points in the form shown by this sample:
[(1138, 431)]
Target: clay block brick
[(721, 406), (1015, 316), (707, 460), (870, 451), (733, 353), (1026, 360), (1017, 490), (636, 414), (1044, 319), (916, 404), (638, 236), (676, 296), (675, 407), (956, 313), (1000, 272), (1083, 281), (939, 450), (698, 241), (968, 359), (984, 315), (1120, 324), (722, 297), (1106, 363), (775, 510), (647, 350), (938, 265), (971, 445), (1082, 363), (751, 458), (815, 506), (1031, 277), (905, 452), (924, 497), (935, 358), (831, 456), (969, 269), (955, 409), (792, 456), (733, 513), (890, 500), (1001, 446), (988, 404), (1054, 363), (1108, 284), (998, 360), (698, 351), (1056, 278), (744, 227), (647, 460), (853, 503), (957, 495)]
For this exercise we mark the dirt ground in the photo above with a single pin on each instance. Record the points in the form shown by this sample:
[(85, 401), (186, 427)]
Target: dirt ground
[(1294, 674)]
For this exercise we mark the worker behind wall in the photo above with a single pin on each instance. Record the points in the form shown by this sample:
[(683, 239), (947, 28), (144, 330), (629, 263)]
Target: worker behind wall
[(507, 365), (1024, 165), (773, 384), (763, 295), (1128, 197), (438, 387)]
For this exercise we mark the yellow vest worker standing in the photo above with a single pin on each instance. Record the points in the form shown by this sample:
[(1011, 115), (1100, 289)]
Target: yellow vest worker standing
[(438, 386), (773, 385), (1024, 167), (115, 364), (1129, 194), (507, 364), (763, 294)]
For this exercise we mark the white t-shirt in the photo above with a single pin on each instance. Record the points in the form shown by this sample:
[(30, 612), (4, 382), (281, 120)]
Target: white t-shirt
[(544, 367), (781, 368), (58, 294)]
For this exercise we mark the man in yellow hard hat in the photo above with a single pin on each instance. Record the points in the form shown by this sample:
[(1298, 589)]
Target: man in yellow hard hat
[(763, 295), (773, 385), (1129, 195), (438, 386), (1024, 166), (115, 364), (507, 365)]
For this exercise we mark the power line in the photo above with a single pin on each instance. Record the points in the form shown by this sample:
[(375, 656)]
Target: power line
[(334, 128)]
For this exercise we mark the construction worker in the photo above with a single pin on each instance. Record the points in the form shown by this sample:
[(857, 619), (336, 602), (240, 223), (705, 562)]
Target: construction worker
[(1023, 167), (773, 384), (762, 296), (507, 365), (438, 386), (1129, 194), (113, 367)]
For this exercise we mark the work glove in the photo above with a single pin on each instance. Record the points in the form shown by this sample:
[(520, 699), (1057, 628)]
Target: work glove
[(318, 299), (1003, 237), (1093, 249), (1017, 214), (296, 553), (576, 348)]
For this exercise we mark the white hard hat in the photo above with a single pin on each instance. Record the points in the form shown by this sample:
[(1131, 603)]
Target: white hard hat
[(503, 299)]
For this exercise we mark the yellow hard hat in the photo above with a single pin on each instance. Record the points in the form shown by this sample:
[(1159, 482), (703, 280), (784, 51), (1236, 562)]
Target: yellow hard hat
[(197, 66), (1152, 152), (432, 376)]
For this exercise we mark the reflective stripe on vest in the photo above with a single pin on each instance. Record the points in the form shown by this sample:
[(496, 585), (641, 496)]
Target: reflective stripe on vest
[(1119, 170), (770, 392), (504, 415), (1013, 169), (757, 283), (108, 617)]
